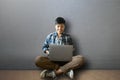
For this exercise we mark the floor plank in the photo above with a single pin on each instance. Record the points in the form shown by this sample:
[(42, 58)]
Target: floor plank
[(79, 75)]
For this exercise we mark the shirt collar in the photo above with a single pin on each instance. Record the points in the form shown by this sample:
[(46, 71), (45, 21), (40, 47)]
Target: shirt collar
[(57, 34)]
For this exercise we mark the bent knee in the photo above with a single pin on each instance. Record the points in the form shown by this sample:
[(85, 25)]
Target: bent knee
[(80, 59), (38, 60)]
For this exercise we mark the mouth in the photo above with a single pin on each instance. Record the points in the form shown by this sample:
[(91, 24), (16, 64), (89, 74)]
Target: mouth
[(60, 31)]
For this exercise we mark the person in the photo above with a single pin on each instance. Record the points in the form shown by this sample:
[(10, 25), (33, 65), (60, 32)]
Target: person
[(52, 68)]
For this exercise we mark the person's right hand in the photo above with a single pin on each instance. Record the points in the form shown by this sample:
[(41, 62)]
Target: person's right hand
[(47, 52)]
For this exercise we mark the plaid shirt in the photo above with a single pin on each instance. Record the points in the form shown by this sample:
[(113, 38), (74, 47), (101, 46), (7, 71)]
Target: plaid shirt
[(52, 38)]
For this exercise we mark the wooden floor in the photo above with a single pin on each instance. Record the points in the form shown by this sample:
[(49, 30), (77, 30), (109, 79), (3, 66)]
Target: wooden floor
[(79, 75)]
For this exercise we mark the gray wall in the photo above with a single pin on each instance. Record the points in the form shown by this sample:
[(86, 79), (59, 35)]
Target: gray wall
[(93, 24)]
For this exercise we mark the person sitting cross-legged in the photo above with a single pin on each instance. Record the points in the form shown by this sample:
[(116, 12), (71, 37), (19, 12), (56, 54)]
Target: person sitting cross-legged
[(58, 37)]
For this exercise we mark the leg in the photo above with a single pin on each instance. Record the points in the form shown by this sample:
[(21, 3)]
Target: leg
[(45, 63), (76, 62)]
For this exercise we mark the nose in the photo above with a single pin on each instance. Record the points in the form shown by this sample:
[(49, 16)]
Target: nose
[(59, 27)]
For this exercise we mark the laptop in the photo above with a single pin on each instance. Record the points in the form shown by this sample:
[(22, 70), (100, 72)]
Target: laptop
[(60, 52)]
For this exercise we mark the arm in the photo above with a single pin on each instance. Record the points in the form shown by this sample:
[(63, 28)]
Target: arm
[(70, 42), (45, 47)]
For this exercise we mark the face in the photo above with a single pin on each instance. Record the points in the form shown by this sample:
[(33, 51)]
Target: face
[(60, 28)]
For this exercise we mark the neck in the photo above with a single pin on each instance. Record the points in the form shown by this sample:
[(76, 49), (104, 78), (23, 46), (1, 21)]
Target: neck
[(59, 35)]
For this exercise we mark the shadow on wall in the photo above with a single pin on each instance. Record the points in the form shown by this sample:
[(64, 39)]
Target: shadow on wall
[(75, 41), (76, 45)]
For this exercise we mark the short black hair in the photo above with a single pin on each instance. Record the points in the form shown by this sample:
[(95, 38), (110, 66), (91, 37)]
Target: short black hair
[(59, 20)]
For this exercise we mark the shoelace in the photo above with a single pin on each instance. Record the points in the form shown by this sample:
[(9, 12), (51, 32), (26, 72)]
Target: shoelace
[(50, 74)]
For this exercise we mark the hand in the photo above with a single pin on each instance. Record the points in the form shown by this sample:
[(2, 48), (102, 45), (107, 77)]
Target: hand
[(47, 52)]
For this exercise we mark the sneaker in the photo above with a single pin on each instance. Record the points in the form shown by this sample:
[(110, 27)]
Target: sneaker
[(70, 73), (47, 74)]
